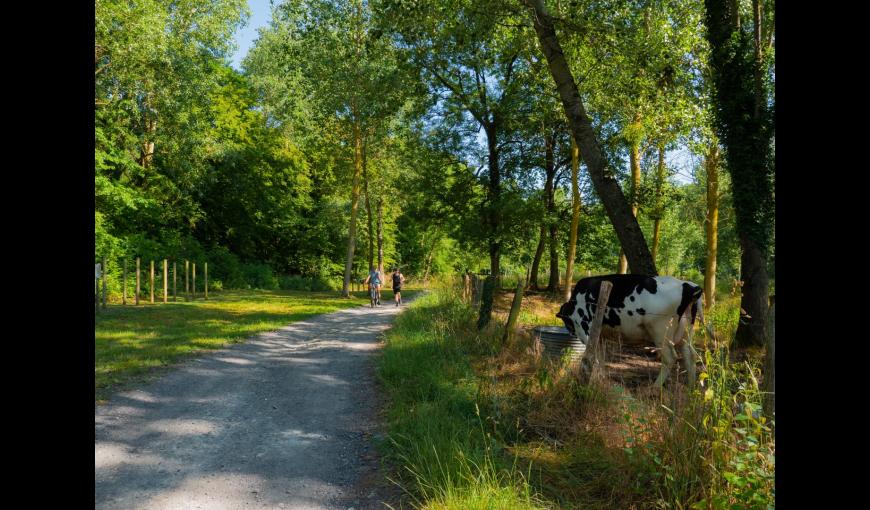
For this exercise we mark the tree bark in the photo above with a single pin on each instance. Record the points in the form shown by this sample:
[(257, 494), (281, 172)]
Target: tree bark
[(769, 385), (634, 160), (660, 181), (536, 263), (628, 231), (575, 218), (712, 225), (368, 210), (354, 206), (745, 125), (381, 234), (493, 214), (550, 165), (753, 302)]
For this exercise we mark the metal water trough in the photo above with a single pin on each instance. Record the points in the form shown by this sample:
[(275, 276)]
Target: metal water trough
[(556, 340)]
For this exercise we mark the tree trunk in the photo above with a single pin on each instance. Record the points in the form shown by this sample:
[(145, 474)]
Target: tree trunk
[(381, 234), (659, 208), (712, 224), (553, 284), (435, 238), (753, 303), (354, 206), (745, 126), (769, 385), (486, 301), (494, 221), (146, 155), (618, 210), (550, 166), (634, 158), (657, 228), (575, 218), (536, 263), (368, 211)]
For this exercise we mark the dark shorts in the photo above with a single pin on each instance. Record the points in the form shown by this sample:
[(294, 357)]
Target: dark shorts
[(397, 289)]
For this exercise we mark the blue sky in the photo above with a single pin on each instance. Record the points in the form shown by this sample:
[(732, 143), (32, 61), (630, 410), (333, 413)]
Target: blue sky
[(261, 13)]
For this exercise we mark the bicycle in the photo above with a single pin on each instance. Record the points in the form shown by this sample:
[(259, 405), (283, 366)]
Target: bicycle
[(374, 296)]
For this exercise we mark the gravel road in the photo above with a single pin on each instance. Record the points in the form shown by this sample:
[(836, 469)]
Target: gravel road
[(284, 420)]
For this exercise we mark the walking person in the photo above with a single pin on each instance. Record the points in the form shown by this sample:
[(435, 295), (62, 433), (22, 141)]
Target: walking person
[(398, 280)]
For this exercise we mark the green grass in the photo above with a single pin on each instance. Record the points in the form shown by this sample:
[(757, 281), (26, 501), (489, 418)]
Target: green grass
[(130, 341), (448, 455)]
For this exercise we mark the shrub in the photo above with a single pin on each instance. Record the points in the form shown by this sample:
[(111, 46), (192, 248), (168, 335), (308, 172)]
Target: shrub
[(259, 276)]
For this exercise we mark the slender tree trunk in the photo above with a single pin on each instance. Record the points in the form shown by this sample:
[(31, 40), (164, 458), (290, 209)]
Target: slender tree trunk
[(435, 239), (657, 228), (550, 165), (575, 218), (381, 234), (553, 284), (712, 224), (536, 262), (634, 159), (627, 229), (368, 210), (354, 206), (660, 181), (146, 155)]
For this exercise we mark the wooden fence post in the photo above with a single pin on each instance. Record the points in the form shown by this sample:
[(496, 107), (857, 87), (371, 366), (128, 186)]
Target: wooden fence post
[(187, 280), (165, 281), (174, 281), (138, 276), (124, 294), (475, 292), (205, 271), (193, 283), (105, 291), (515, 312), (152, 281), (591, 363), (96, 294)]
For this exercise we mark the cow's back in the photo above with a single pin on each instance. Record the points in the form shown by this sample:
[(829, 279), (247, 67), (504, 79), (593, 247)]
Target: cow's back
[(636, 301)]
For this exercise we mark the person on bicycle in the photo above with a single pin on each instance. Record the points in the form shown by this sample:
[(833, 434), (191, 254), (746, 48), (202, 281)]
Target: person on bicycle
[(374, 278), (398, 280)]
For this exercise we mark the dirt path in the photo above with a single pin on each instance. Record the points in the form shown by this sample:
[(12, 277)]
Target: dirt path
[(285, 420)]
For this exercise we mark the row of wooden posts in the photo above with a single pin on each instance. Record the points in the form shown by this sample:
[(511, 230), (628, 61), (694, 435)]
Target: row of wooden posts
[(189, 290)]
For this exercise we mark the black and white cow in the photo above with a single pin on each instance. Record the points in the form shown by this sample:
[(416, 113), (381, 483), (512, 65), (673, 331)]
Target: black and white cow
[(641, 308)]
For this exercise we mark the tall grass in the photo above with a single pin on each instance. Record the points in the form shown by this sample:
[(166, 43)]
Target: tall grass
[(710, 448), (436, 433)]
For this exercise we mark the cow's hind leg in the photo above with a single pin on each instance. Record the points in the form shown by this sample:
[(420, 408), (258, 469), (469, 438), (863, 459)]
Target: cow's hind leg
[(658, 332)]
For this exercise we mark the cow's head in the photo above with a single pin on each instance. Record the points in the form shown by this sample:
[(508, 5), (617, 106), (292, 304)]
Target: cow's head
[(565, 313)]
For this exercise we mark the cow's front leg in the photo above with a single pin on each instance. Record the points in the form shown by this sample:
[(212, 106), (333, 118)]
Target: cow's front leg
[(659, 335)]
